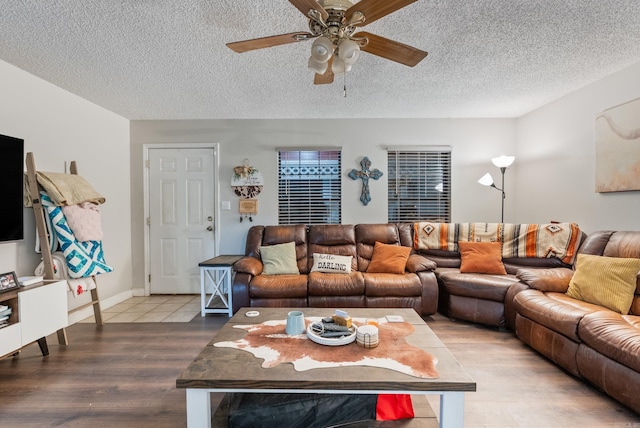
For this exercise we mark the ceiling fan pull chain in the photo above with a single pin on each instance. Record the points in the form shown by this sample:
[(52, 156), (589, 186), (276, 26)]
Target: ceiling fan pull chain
[(344, 88)]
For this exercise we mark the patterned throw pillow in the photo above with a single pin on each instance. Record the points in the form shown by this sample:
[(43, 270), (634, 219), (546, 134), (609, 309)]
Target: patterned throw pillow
[(481, 257), (605, 281), (330, 263), (388, 258), (279, 259)]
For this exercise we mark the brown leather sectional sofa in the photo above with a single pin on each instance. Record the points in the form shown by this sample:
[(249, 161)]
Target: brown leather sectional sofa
[(484, 297), (417, 288), (479, 297), (587, 340)]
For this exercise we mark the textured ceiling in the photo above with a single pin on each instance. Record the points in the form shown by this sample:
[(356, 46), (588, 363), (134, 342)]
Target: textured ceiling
[(167, 59)]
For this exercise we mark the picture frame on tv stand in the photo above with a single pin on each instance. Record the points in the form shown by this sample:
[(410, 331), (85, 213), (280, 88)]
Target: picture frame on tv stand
[(8, 281)]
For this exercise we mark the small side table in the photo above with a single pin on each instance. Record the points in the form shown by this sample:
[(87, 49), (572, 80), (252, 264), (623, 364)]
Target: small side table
[(218, 271)]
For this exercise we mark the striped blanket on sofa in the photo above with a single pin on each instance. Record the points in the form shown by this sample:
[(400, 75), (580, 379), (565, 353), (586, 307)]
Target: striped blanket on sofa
[(558, 240)]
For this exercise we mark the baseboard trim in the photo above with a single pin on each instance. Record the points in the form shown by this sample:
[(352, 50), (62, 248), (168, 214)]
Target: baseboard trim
[(104, 304)]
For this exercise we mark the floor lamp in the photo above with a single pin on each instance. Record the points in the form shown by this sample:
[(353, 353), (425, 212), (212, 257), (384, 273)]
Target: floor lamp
[(503, 162)]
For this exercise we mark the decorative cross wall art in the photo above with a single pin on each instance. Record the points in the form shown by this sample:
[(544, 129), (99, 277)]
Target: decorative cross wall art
[(365, 174)]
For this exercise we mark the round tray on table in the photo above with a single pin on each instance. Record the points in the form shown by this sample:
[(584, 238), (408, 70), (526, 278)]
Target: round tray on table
[(332, 341)]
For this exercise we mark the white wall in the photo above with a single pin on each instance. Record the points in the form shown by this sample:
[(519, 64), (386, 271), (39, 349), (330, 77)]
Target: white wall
[(556, 159), (553, 173), (59, 127), (474, 142)]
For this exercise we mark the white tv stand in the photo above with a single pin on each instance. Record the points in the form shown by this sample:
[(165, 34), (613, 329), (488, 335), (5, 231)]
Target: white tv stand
[(38, 311)]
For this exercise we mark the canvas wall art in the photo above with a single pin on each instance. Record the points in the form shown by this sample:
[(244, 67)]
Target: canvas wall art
[(618, 148)]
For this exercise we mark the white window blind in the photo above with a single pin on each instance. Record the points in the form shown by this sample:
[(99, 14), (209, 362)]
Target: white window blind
[(309, 184), (419, 184)]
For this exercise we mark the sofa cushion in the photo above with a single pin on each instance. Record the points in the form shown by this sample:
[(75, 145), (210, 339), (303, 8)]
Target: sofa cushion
[(477, 285), (278, 286), (481, 257), (555, 311), (248, 264), (419, 263), (366, 237), (613, 335), (606, 281), (331, 263), (556, 279), (336, 239), (281, 234), (388, 258), (386, 284), (279, 259), (330, 284)]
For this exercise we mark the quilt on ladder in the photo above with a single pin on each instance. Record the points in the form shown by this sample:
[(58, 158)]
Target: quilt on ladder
[(84, 259)]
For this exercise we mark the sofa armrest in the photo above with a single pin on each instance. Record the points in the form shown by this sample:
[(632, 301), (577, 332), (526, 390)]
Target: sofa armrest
[(554, 279), (248, 264), (417, 263)]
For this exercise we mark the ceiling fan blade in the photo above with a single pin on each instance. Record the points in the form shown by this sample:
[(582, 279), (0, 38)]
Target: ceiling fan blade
[(390, 49), (326, 77), (267, 42), (376, 9), (305, 6)]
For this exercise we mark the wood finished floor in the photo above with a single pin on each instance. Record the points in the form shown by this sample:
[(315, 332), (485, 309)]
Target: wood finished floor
[(123, 375)]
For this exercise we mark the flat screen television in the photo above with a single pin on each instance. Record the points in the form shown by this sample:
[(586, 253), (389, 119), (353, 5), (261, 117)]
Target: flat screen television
[(11, 177)]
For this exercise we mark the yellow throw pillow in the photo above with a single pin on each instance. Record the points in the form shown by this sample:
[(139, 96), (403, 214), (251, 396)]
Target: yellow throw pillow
[(388, 258), (279, 259), (481, 257), (605, 281)]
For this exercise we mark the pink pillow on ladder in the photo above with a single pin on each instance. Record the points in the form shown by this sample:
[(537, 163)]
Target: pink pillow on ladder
[(84, 221)]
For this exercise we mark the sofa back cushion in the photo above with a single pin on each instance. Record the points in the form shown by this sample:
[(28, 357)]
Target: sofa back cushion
[(366, 237), (388, 258), (279, 259), (335, 239), (626, 244), (615, 244), (271, 235)]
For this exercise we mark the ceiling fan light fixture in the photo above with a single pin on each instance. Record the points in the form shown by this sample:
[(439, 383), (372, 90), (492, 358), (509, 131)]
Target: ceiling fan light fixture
[(322, 49), (317, 66), (349, 51), (339, 66)]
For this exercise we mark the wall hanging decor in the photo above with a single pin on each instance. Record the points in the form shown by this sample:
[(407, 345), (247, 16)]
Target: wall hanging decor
[(365, 174), (618, 148), (247, 183)]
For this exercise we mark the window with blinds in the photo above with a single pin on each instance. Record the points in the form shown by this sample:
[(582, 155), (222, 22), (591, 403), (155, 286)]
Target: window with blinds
[(419, 184), (309, 183)]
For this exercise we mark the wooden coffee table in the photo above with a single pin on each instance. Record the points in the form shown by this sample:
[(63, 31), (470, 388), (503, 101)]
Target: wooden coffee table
[(226, 370)]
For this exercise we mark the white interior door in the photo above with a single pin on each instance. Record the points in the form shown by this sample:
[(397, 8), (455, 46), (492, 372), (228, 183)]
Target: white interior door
[(181, 210)]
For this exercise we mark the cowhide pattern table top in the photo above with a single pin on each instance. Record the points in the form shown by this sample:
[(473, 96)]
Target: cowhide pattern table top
[(268, 341)]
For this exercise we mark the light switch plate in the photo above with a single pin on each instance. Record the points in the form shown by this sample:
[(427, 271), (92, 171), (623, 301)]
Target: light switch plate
[(226, 205)]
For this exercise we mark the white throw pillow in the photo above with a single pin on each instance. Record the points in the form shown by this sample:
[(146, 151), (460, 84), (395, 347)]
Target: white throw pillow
[(330, 263)]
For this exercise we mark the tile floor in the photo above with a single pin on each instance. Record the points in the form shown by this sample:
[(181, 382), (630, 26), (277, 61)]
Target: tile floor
[(156, 308)]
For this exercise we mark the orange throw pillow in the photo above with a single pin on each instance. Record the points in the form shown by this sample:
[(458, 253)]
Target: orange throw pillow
[(481, 257), (388, 258)]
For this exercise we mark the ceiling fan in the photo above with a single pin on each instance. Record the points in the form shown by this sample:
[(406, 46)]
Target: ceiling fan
[(334, 24)]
